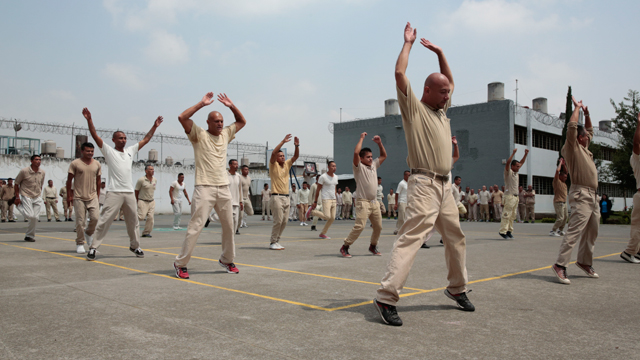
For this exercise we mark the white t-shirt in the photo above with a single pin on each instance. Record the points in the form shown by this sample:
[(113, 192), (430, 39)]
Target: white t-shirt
[(177, 190), (303, 196), (402, 192), (456, 193), (235, 187), (328, 183), (293, 197), (120, 165), (379, 193)]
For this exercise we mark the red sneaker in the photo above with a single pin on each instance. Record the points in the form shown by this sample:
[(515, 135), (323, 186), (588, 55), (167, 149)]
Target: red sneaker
[(374, 250), (231, 268), (181, 272), (344, 250)]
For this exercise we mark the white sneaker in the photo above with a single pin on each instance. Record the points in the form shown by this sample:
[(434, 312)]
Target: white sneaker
[(276, 246), (629, 258), (301, 223), (553, 233), (561, 233), (88, 239), (177, 228), (80, 249)]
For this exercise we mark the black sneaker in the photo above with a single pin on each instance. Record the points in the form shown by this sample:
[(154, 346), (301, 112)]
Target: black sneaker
[(29, 239), (313, 228), (58, 220), (388, 313), (441, 242), (509, 235), (139, 253), (146, 235), (207, 223), (237, 232), (425, 246), (504, 236), (91, 255), (462, 300)]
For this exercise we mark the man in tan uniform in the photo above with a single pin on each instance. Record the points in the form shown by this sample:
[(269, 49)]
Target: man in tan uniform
[(530, 204), (401, 200), (496, 198), (365, 172), (50, 197), (85, 173), (430, 203), (144, 190), (266, 198), (631, 253), (7, 192), (28, 187), (473, 206), (211, 189), (67, 208), (245, 180), (391, 200), (560, 199), (510, 198), (585, 212), (280, 202), (380, 196), (484, 197), (347, 202)]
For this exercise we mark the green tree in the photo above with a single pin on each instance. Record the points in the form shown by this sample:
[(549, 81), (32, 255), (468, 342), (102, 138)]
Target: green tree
[(624, 124)]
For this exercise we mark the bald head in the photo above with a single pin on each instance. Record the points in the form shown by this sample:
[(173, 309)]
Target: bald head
[(436, 91), (436, 79), (215, 123)]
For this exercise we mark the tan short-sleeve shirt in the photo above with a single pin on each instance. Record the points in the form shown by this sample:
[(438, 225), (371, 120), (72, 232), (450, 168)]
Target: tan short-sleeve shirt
[(579, 159), (7, 192), (84, 178), (530, 199), (246, 184), (428, 133), (30, 182), (497, 197), (391, 199), (210, 153), (559, 190), (146, 188), (521, 199), (347, 197), (50, 192), (280, 177), (510, 182), (366, 180), (473, 198), (635, 166)]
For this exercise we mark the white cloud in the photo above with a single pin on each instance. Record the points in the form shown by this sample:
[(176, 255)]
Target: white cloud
[(167, 48), (124, 74)]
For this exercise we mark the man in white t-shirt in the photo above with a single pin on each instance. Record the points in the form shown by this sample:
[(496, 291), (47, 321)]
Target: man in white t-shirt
[(401, 201), (120, 192), (176, 190), (327, 186), (380, 197), (246, 192), (294, 203)]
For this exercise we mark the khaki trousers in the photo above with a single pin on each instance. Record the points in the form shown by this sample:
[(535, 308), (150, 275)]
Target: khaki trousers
[(497, 211), (247, 206), (67, 208), (562, 215), (51, 204), (205, 198), (484, 212), (316, 218), (280, 210), (302, 210), (30, 209), (634, 243), (473, 212), (7, 211), (177, 212), (430, 204), (366, 210), (531, 213), (402, 208), (583, 226), (509, 214), (236, 213), (327, 214), (383, 209), (113, 202), (146, 210), (392, 211), (266, 209), (522, 210), (82, 207), (346, 211)]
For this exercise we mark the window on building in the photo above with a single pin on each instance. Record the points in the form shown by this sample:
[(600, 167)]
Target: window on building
[(520, 134), (522, 181), (612, 190), (543, 185), (545, 140), (607, 153)]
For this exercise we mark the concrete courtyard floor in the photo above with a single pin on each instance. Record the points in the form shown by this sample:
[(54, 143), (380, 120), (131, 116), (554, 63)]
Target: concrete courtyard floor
[(307, 302)]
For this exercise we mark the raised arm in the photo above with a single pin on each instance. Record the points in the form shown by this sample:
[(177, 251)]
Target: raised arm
[(383, 152), (508, 165), (456, 150), (524, 158), (92, 129), (403, 59), (149, 135), (576, 111), (356, 151), (559, 168), (240, 120), (296, 153), (636, 138), (274, 154), (185, 117), (442, 60)]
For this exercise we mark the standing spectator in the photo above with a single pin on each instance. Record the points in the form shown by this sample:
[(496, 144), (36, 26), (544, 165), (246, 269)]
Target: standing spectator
[(145, 190), (496, 198), (266, 196), (339, 204), (484, 197), (28, 187), (103, 194), (473, 206), (294, 203), (347, 201), (401, 200), (465, 201), (380, 197), (67, 207), (522, 207), (391, 201), (605, 208), (246, 192), (303, 198), (530, 202), (176, 190), (7, 193), (50, 197)]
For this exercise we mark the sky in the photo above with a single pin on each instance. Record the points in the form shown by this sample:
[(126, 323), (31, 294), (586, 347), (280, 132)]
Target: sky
[(291, 65)]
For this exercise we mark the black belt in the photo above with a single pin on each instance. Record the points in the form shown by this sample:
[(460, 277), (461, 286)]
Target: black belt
[(430, 174), (280, 194), (147, 200), (51, 198)]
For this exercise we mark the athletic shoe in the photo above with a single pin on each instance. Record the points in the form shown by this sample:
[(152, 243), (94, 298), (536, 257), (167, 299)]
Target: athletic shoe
[(231, 268), (588, 270), (208, 221), (181, 272), (504, 236), (305, 224), (313, 228), (58, 220), (88, 239), (80, 249), (629, 258), (237, 232), (323, 236), (11, 221), (461, 299), (553, 233), (301, 223), (308, 214), (395, 232), (637, 256), (561, 274), (344, 250), (139, 253), (276, 246), (425, 246), (146, 235), (388, 313), (29, 239), (374, 250), (395, 218), (441, 242), (509, 235), (48, 220), (561, 233), (91, 255), (3, 220), (263, 218), (268, 219)]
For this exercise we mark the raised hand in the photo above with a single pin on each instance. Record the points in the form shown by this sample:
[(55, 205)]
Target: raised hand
[(158, 121), (377, 140), (454, 140), (576, 103), (515, 151), (586, 110), (87, 114), (526, 151), (431, 46), (286, 138), (296, 141), (208, 99), (364, 134), (410, 34), (224, 99)]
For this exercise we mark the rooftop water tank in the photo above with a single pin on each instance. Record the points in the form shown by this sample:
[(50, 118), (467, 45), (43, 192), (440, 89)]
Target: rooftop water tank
[(168, 161), (391, 107), (153, 155), (495, 91), (49, 147), (540, 104), (60, 153), (605, 125), (244, 161)]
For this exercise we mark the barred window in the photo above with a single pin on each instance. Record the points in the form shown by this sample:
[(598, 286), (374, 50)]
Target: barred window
[(607, 153), (543, 185), (612, 190), (522, 181), (545, 140), (520, 134)]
